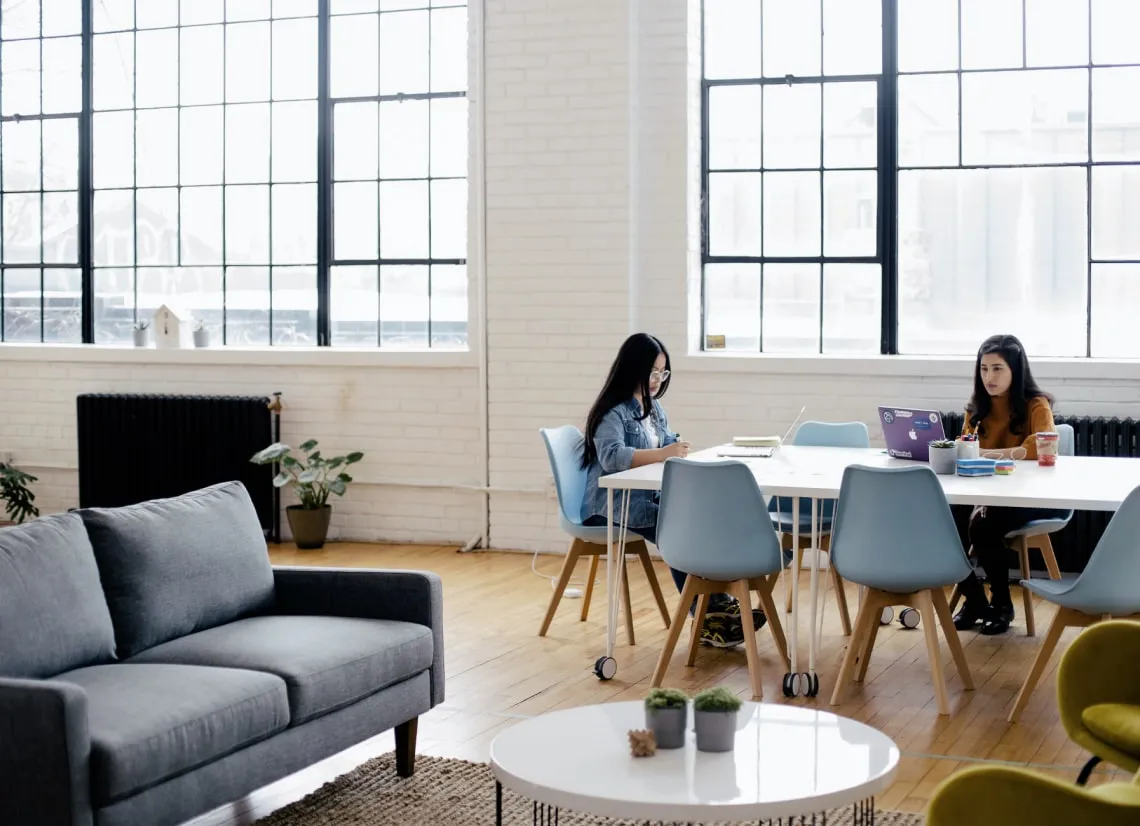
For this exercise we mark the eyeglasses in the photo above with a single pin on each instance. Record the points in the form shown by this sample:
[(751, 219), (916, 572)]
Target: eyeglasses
[(660, 375)]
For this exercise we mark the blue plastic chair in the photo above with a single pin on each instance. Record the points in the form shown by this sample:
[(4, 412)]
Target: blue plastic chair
[(1106, 589), (712, 526), (818, 434), (1035, 536), (895, 535), (564, 447)]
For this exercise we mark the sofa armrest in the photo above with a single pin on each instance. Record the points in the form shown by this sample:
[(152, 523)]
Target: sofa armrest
[(407, 596), (44, 754)]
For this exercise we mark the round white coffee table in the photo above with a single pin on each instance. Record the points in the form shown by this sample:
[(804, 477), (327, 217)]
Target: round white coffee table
[(788, 761)]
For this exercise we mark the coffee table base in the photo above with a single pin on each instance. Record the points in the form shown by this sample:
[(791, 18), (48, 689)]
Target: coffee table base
[(863, 814)]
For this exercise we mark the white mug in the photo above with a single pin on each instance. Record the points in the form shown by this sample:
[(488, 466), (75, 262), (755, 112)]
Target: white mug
[(967, 450)]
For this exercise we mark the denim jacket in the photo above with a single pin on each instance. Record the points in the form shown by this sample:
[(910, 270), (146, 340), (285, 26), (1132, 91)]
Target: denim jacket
[(619, 434)]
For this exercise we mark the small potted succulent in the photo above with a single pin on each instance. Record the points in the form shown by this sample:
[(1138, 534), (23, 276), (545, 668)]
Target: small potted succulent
[(142, 333), (943, 457), (666, 714), (714, 717)]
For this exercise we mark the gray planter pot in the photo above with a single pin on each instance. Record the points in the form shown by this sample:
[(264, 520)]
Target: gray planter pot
[(202, 338), (716, 730), (309, 526), (142, 337), (944, 460), (668, 726)]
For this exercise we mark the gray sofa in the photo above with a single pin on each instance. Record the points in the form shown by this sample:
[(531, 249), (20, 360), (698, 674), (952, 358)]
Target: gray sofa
[(153, 665)]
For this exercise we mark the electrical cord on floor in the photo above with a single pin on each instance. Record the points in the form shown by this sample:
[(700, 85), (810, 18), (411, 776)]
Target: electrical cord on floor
[(573, 589)]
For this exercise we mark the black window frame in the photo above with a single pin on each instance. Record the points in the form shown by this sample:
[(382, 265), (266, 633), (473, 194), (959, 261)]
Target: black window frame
[(888, 169), (325, 102)]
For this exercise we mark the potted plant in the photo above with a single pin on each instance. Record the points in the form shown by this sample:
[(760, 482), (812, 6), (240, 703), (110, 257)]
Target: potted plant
[(142, 335), (714, 717), (201, 334), (313, 478), (943, 456), (17, 494), (667, 714)]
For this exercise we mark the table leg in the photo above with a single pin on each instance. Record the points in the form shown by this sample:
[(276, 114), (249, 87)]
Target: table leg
[(792, 678), (811, 681), (605, 667)]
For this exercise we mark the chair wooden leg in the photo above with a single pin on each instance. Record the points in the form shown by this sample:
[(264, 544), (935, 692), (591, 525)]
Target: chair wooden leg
[(868, 613), (840, 600), (742, 593), (792, 572), (1064, 618), (930, 625), (590, 578), (654, 585), (1026, 594), (575, 551), (1046, 547), (674, 634), (764, 588), (698, 623), (627, 603), (865, 651), (955, 595), (953, 641)]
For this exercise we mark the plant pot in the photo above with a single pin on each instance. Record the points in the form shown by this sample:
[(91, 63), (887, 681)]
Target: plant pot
[(944, 460), (309, 526), (142, 338), (668, 725), (202, 338), (716, 730)]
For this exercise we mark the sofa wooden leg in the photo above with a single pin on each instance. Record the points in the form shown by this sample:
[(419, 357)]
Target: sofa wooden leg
[(406, 747)]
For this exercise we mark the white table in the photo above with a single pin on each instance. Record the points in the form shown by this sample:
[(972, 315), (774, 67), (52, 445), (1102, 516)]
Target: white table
[(787, 761), (1079, 482)]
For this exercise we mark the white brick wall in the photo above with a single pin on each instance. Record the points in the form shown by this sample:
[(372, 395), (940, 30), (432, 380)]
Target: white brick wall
[(591, 182)]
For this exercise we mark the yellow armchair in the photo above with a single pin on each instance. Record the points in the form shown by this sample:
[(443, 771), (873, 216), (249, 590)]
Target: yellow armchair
[(1098, 694), (1000, 795)]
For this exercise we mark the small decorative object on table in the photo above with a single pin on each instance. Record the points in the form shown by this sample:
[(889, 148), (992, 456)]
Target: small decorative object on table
[(666, 715), (977, 467), (313, 479), (968, 446), (1004, 467), (642, 743), (201, 334), (714, 712), (943, 456), (142, 333)]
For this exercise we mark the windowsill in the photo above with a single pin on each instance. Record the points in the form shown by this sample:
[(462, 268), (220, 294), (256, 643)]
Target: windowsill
[(239, 356), (921, 367)]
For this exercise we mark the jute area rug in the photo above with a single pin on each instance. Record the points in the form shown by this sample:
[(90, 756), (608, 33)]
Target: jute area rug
[(444, 792)]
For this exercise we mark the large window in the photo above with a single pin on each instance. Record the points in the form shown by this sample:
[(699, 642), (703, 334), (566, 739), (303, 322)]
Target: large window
[(218, 155), (911, 176)]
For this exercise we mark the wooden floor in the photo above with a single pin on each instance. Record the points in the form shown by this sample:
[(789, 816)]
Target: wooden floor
[(500, 671)]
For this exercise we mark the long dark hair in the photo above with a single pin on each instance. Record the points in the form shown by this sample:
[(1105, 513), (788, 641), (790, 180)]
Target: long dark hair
[(1023, 388), (629, 376)]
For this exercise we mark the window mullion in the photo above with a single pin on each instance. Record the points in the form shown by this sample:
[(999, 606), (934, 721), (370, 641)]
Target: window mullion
[(888, 178), (86, 191), (324, 176)]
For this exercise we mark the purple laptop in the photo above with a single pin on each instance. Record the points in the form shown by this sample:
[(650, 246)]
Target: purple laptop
[(909, 432)]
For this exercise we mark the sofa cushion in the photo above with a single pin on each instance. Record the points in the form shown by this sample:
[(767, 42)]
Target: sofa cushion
[(53, 615), (152, 722), (174, 566), (326, 662)]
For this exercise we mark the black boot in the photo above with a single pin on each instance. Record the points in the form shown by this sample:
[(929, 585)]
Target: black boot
[(975, 609), (998, 618)]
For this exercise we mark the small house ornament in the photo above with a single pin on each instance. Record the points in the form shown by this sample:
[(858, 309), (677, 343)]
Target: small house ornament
[(173, 328)]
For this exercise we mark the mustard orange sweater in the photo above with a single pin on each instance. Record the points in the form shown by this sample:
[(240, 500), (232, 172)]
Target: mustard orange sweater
[(997, 434)]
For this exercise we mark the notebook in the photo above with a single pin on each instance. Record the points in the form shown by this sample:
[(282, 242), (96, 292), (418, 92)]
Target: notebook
[(758, 447)]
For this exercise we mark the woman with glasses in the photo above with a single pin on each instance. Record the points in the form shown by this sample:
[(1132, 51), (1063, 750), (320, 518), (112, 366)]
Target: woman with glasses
[(626, 428)]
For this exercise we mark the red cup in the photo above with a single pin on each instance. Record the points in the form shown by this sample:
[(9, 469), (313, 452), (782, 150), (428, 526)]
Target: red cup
[(1047, 445)]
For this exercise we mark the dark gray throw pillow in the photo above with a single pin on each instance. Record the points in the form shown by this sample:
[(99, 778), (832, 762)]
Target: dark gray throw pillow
[(171, 567), (53, 615)]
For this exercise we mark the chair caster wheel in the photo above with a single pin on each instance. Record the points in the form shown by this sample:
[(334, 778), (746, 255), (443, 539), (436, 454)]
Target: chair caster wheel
[(605, 668), (791, 685), (909, 618), (811, 684), (887, 615)]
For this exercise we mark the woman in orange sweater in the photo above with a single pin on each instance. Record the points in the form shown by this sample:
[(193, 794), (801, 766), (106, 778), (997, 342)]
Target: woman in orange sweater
[(1006, 412)]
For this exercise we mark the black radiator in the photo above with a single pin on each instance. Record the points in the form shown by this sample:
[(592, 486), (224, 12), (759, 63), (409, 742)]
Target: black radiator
[(1094, 436), (133, 448)]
